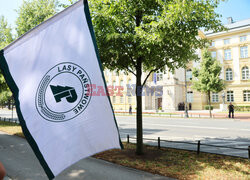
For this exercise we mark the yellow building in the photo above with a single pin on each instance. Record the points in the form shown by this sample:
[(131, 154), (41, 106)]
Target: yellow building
[(165, 91)]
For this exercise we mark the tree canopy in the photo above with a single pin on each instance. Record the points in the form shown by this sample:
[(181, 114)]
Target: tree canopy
[(33, 12), (208, 76), (6, 37), (161, 33), (5, 33)]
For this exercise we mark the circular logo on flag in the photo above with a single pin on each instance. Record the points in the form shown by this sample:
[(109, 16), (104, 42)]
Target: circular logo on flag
[(63, 93)]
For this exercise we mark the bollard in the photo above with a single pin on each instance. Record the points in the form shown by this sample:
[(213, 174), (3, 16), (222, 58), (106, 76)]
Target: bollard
[(159, 143), (128, 138), (198, 147), (248, 152)]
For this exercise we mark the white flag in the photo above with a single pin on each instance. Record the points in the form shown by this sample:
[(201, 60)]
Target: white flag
[(50, 70)]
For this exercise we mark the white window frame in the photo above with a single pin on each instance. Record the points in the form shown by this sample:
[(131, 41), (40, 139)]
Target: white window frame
[(215, 97), (212, 44), (230, 96), (190, 96), (114, 99), (245, 73), (243, 38), (227, 54), (246, 95), (226, 41), (121, 99), (129, 99), (229, 74), (243, 52), (213, 54), (159, 76), (189, 74)]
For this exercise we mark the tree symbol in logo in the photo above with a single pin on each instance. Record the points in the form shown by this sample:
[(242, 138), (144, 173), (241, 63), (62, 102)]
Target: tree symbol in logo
[(67, 92)]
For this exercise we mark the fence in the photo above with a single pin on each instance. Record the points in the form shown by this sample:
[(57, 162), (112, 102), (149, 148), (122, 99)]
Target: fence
[(5, 119), (198, 144)]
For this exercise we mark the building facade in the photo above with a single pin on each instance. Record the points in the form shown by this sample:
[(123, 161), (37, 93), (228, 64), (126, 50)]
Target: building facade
[(165, 91)]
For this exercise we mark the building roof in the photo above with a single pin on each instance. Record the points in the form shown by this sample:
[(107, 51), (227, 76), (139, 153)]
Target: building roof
[(233, 25)]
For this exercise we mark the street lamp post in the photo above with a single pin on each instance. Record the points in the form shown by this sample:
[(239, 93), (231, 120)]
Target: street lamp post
[(186, 108)]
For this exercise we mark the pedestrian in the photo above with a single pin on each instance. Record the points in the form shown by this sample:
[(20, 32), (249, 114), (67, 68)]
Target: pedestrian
[(2, 171), (231, 110), (130, 109)]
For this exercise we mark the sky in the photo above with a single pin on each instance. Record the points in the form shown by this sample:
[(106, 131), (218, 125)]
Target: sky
[(237, 9)]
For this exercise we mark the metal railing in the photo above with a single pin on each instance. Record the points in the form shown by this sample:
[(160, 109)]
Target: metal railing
[(198, 144)]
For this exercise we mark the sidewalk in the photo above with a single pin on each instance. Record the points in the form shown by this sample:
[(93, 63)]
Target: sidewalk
[(21, 164), (245, 116)]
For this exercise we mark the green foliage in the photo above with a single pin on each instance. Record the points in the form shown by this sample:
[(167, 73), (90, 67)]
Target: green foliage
[(5, 33), (5, 38), (207, 107), (33, 12), (137, 35), (160, 33), (208, 76), (242, 108), (70, 2)]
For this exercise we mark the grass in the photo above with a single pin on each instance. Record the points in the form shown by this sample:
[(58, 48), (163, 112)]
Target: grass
[(180, 164), (168, 162), (11, 128)]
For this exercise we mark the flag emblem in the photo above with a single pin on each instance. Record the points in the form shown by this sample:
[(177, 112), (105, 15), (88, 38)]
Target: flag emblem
[(63, 93)]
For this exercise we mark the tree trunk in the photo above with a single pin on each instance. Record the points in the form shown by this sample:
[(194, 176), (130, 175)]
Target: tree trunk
[(209, 104), (139, 130)]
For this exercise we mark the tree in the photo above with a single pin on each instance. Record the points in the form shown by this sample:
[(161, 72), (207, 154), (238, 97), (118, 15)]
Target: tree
[(5, 33), (33, 12), (136, 36), (208, 77), (5, 38)]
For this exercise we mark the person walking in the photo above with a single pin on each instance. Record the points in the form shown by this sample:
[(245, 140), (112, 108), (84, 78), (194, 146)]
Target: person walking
[(2, 171), (231, 110), (130, 109)]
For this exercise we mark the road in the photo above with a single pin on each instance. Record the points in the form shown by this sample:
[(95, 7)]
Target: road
[(220, 132)]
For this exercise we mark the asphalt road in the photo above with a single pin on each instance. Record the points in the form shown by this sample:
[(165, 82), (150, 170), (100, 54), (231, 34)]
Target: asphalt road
[(219, 132)]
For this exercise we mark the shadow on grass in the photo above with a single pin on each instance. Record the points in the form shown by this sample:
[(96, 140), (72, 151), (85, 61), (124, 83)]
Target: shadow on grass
[(179, 164)]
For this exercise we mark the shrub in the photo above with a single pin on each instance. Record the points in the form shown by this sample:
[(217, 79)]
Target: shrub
[(242, 108), (207, 107)]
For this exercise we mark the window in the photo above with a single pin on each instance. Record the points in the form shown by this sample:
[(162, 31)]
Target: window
[(243, 38), (229, 74), (245, 73), (227, 54), (226, 41), (130, 82), (129, 99), (121, 99), (215, 97), (243, 52), (230, 96), (189, 75), (213, 54), (121, 83), (246, 95), (159, 76), (212, 44), (114, 84), (114, 99), (190, 96)]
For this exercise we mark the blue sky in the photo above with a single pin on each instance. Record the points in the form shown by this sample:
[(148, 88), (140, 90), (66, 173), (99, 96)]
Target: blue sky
[(238, 9)]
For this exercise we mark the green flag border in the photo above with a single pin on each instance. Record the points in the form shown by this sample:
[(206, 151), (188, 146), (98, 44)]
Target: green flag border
[(13, 87), (91, 29)]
